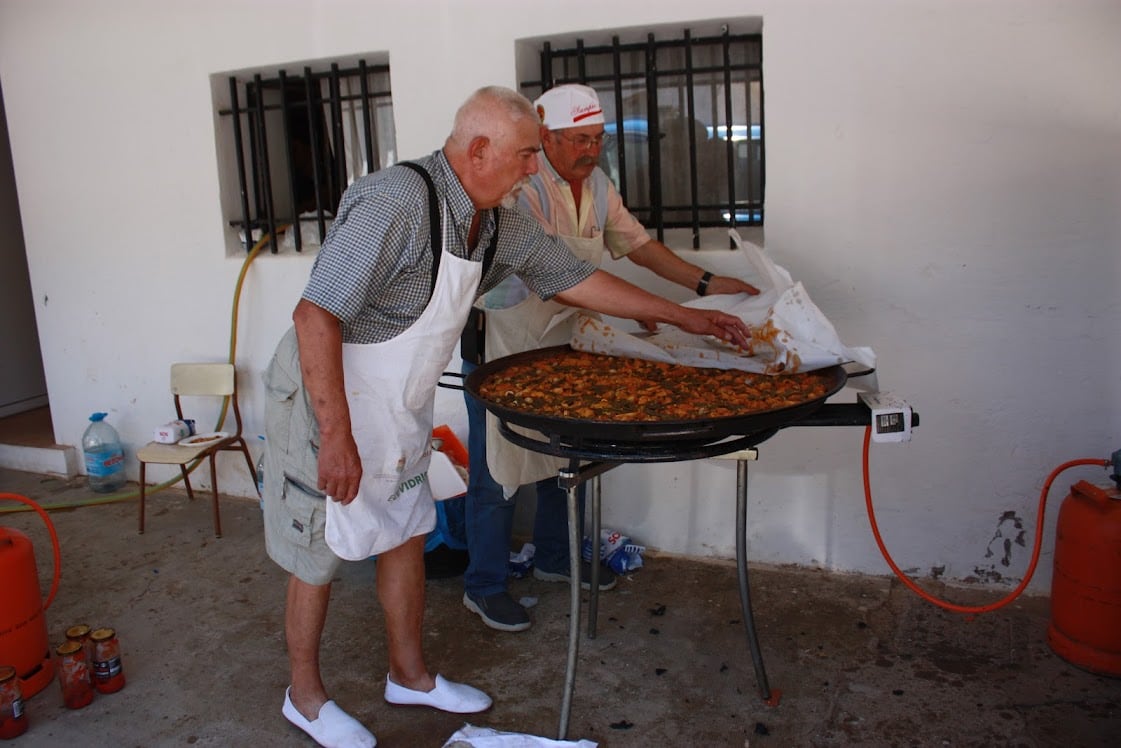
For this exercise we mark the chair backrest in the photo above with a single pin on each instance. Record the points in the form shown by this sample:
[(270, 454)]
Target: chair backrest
[(203, 379), (207, 380)]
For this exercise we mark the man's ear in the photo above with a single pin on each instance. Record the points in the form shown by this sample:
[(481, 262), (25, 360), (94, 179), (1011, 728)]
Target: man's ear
[(477, 148)]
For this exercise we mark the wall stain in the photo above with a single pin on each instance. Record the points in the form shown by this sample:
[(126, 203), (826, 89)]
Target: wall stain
[(1009, 531), (1007, 535)]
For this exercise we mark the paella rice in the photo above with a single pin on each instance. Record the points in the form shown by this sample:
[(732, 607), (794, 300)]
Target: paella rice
[(574, 384)]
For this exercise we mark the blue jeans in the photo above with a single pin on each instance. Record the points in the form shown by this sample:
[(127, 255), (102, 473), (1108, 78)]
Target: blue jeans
[(490, 516)]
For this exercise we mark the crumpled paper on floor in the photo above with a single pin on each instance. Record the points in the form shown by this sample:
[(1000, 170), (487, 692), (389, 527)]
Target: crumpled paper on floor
[(470, 736), (789, 332)]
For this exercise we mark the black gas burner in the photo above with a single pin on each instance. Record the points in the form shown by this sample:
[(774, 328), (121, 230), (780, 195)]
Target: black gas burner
[(592, 447)]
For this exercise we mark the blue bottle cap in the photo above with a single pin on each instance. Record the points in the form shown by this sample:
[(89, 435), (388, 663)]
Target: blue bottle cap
[(98, 417)]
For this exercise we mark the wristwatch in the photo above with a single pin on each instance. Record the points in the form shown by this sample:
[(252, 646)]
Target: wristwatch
[(702, 286)]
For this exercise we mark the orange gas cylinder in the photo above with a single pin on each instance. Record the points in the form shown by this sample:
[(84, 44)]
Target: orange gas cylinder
[(23, 625), (1085, 625)]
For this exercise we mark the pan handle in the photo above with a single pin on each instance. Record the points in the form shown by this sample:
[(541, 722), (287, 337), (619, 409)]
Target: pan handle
[(666, 433), (858, 372), (449, 385)]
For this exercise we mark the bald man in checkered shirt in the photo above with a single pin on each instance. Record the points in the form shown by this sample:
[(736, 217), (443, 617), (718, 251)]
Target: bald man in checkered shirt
[(351, 386)]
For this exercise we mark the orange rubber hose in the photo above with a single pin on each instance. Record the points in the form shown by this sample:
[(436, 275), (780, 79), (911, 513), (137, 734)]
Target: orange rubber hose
[(970, 609)]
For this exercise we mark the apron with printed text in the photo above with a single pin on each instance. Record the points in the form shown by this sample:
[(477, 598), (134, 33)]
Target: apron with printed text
[(390, 388), (523, 327)]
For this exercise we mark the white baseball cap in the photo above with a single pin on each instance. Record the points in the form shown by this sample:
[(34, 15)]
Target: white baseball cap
[(570, 105)]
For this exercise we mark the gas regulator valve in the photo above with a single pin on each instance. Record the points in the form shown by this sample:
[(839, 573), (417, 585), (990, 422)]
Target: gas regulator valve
[(891, 416)]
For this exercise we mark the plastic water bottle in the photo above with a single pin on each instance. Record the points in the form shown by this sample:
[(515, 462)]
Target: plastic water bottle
[(261, 473), (105, 459)]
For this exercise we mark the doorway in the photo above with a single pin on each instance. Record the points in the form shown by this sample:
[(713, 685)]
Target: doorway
[(24, 406)]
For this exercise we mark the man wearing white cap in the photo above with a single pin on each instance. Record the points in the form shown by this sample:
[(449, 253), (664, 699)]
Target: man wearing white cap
[(573, 199)]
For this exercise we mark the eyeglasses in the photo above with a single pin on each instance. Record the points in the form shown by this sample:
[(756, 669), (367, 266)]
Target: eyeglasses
[(583, 142)]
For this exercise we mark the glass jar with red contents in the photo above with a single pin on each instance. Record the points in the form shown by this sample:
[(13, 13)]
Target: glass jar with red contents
[(108, 673), (13, 718), (81, 634), (74, 674)]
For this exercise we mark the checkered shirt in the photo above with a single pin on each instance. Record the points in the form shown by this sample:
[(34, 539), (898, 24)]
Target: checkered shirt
[(374, 270)]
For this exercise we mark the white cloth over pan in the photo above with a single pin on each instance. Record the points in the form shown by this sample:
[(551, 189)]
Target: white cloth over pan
[(789, 332)]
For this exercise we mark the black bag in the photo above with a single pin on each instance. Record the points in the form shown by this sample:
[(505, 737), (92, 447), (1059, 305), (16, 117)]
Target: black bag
[(472, 341)]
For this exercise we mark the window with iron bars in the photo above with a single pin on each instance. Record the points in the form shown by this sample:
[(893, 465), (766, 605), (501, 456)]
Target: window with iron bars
[(289, 144), (700, 98)]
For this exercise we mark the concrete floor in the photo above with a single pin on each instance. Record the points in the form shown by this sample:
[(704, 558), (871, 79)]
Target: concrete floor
[(859, 660)]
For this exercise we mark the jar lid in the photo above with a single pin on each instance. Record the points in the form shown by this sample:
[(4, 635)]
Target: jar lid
[(99, 635), (68, 647), (77, 632), (7, 672)]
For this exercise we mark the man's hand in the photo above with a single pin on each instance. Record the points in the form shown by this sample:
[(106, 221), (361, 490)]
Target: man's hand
[(340, 469), (722, 284), (718, 324)]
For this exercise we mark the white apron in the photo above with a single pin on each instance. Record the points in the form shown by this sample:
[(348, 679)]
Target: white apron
[(522, 328), (391, 388)]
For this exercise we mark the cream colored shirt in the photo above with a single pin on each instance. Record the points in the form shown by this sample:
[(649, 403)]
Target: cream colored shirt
[(623, 232)]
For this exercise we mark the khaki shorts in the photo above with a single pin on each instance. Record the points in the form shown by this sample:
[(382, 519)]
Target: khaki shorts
[(294, 523), (295, 512)]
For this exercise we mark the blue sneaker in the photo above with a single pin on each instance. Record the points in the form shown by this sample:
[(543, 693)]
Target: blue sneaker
[(499, 611), (607, 578)]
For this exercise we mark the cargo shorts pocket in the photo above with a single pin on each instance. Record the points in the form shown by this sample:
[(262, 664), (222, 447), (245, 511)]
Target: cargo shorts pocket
[(301, 517), (294, 535)]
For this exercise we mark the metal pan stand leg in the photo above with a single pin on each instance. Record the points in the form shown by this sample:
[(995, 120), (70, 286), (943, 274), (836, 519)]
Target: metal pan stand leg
[(573, 606), (593, 582), (570, 478), (745, 595)]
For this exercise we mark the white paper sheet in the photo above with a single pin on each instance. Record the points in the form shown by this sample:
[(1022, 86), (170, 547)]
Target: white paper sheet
[(470, 736), (789, 332)]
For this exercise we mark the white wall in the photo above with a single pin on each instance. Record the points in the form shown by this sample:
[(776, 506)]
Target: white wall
[(944, 177)]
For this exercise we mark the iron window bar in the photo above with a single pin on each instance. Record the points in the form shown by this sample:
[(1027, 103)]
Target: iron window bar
[(249, 114)]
